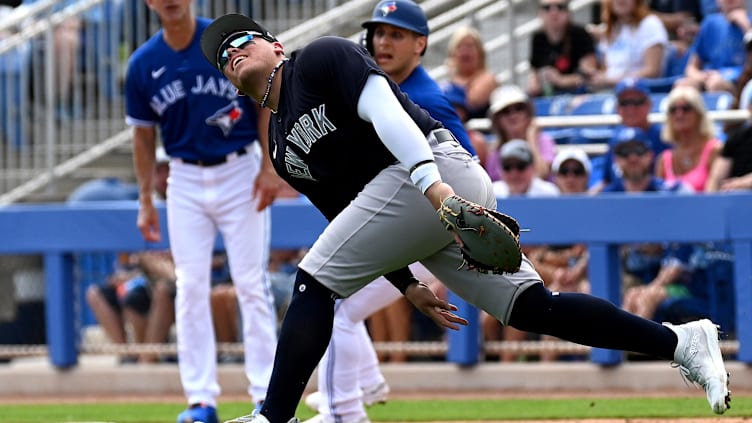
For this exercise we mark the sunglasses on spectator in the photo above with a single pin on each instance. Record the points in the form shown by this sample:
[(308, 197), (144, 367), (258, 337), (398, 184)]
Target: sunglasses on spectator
[(240, 41), (626, 150), (632, 102), (514, 108), (547, 7), (572, 170), (686, 108), (518, 166)]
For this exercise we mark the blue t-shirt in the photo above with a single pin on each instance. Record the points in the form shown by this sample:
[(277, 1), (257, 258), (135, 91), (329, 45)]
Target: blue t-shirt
[(656, 185), (426, 93), (720, 46), (199, 111)]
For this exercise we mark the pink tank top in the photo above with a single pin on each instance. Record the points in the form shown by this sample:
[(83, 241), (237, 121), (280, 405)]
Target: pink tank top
[(697, 177)]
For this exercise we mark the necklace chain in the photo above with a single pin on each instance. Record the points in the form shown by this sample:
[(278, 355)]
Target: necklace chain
[(265, 98)]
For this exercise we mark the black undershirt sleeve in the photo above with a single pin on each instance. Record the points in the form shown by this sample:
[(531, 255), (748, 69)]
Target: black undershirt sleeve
[(401, 279)]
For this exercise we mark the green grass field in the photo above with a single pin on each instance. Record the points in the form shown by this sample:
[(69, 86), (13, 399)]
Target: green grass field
[(400, 410)]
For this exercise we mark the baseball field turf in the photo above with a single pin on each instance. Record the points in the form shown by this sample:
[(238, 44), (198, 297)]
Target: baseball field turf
[(661, 409)]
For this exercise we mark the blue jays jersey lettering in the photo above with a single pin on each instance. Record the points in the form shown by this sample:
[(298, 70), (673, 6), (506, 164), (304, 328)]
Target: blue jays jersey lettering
[(321, 141), (426, 93), (163, 89)]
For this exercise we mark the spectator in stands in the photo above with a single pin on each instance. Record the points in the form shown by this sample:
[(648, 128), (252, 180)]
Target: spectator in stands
[(479, 140), (520, 179), (571, 170), (633, 43), (67, 43), (633, 105), (513, 117), (679, 50), (673, 14), (15, 65), (689, 130), (466, 62), (732, 169), (562, 53), (718, 52), (633, 155)]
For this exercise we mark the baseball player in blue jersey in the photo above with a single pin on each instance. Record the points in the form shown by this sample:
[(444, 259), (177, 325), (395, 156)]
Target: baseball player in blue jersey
[(378, 167), (348, 374), (219, 180)]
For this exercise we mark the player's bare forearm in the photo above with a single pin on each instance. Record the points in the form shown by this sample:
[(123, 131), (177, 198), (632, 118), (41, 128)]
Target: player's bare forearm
[(437, 192), (148, 222), (438, 310)]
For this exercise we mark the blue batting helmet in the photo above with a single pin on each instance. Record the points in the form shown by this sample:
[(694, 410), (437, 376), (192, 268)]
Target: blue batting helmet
[(400, 13)]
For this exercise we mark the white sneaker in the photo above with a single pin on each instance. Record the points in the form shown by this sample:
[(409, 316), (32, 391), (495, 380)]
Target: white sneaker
[(256, 418), (313, 400), (320, 418), (377, 394), (699, 359)]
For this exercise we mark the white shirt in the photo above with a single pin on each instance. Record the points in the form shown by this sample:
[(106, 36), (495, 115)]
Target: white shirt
[(624, 56), (538, 188)]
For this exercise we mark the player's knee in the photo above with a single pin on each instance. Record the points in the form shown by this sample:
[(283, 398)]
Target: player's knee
[(532, 308), (307, 285)]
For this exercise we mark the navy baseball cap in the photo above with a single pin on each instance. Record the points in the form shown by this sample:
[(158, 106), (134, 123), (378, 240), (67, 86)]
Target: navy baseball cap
[(632, 134), (222, 28), (632, 84)]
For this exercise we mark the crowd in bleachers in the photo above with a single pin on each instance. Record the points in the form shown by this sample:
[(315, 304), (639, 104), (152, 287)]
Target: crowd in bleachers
[(677, 59)]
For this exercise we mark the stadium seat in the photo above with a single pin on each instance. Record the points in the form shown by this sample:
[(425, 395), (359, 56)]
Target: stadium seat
[(718, 100), (658, 101), (593, 104)]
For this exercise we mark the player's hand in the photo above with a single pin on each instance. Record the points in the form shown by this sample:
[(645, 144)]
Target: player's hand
[(148, 223), (438, 310), (265, 187)]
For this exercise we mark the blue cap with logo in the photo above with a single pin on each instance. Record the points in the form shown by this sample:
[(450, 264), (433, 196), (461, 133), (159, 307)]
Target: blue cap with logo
[(632, 84), (628, 133)]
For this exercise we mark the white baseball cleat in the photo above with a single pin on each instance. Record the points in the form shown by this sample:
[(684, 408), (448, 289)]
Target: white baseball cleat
[(377, 394), (320, 418), (698, 357), (256, 418)]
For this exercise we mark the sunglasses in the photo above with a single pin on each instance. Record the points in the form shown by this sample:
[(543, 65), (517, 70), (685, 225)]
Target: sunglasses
[(239, 41), (572, 170), (518, 166), (514, 108), (632, 102), (686, 108), (561, 7), (626, 150)]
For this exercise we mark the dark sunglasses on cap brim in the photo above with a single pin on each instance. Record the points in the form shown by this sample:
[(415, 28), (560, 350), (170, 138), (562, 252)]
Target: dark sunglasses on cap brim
[(238, 40)]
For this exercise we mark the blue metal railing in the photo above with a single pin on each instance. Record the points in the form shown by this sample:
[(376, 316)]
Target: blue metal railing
[(59, 231)]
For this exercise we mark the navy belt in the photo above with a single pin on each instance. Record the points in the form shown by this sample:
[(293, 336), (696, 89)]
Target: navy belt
[(219, 160)]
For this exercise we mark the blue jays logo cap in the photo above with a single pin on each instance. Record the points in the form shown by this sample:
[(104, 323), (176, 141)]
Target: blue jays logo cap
[(632, 84), (628, 133), (225, 26), (400, 13)]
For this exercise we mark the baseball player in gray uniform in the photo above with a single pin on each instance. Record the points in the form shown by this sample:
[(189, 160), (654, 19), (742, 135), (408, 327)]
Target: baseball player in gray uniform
[(378, 167)]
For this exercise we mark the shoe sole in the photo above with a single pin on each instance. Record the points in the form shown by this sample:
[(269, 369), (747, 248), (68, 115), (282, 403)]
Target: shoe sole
[(712, 336)]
